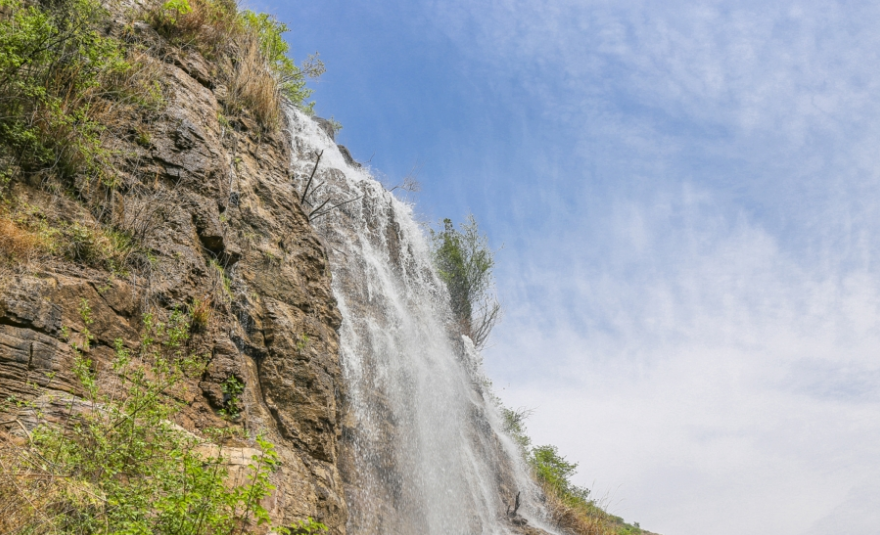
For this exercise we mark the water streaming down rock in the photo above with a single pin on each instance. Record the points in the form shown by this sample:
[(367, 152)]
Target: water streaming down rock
[(422, 452)]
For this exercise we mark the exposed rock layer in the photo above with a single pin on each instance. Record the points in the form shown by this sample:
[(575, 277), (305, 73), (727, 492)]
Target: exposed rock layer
[(222, 225)]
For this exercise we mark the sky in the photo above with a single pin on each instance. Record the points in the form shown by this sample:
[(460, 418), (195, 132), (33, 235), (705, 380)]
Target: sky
[(684, 201)]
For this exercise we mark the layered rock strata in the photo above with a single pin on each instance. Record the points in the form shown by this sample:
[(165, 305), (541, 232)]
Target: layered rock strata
[(219, 226)]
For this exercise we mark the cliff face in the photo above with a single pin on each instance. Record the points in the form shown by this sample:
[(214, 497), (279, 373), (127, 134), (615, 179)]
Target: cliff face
[(222, 232)]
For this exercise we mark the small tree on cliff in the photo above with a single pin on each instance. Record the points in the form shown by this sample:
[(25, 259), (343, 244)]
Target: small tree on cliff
[(464, 262)]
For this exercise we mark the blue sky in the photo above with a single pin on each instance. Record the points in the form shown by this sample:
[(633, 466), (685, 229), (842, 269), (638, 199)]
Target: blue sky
[(687, 198)]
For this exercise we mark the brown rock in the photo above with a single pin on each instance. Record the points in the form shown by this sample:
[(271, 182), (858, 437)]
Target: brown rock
[(199, 193)]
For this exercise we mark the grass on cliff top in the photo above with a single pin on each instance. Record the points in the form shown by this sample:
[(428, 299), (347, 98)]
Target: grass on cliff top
[(67, 86), (249, 49), (570, 506), (76, 90)]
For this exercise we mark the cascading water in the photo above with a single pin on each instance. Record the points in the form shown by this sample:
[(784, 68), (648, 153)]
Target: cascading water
[(422, 452)]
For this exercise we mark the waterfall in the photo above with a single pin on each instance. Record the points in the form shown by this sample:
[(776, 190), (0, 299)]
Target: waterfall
[(423, 450)]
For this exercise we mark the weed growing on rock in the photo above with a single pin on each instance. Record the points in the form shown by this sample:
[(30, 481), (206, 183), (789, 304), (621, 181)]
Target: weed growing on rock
[(309, 527), (222, 284), (200, 312), (118, 464), (232, 389)]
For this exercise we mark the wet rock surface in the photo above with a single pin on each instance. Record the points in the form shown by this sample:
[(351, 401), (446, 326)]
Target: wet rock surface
[(422, 448)]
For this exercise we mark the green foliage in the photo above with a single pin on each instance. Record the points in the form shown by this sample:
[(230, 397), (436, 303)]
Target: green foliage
[(464, 262), (550, 468), (218, 30), (308, 527), (120, 466), (569, 505), (275, 52), (222, 280), (232, 389), (175, 8), (203, 25), (52, 60), (95, 246), (335, 125), (5, 178), (302, 342), (514, 425), (554, 471)]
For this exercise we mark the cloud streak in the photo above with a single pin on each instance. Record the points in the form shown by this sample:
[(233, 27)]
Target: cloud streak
[(688, 194), (692, 295)]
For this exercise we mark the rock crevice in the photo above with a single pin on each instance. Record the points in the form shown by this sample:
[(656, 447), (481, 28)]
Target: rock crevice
[(220, 227)]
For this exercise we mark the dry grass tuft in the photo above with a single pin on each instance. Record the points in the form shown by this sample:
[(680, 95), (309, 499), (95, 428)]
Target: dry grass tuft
[(124, 92), (31, 497), (222, 34), (253, 86), (583, 517), (18, 244), (207, 26), (200, 314)]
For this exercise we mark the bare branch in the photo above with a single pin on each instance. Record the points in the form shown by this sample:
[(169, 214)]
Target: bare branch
[(334, 207), (302, 199)]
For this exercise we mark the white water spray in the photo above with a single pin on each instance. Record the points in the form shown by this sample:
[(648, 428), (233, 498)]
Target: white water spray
[(422, 448)]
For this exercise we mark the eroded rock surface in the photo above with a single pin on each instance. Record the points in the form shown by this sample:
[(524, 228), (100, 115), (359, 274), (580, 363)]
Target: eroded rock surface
[(212, 200)]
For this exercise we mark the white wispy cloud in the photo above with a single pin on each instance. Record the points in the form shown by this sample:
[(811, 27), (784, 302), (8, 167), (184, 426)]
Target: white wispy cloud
[(692, 290)]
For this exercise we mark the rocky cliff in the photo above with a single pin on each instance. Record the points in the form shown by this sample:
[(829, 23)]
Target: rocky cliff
[(220, 232)]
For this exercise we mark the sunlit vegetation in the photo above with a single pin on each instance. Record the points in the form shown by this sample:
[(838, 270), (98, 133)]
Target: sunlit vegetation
[(570, 506), (249, 49), (64, 89), (116, 462), (464, 262), (70, 91)]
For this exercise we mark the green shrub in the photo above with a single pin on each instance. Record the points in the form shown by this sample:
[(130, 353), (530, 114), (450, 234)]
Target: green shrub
[(66, 88), (514, 425), (52, 62), (232, 389), (118, 465), (208, 26), (553, 471), (95, 246), (275, 52), (569, 506), (464, 262)]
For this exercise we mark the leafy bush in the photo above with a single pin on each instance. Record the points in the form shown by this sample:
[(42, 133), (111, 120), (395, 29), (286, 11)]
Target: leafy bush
[(57, 74), (464, 262), (49, 56), (514, 425), (553, 471), (274, 51), (232, 389), (119, 465)]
